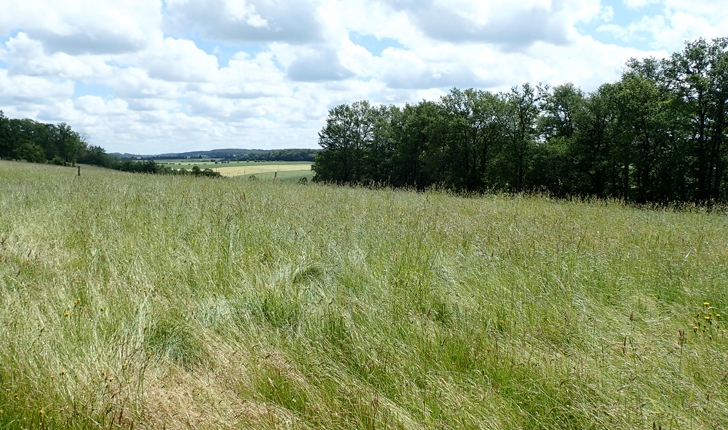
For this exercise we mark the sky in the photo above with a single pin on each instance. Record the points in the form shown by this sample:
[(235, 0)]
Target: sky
[(153, 76)]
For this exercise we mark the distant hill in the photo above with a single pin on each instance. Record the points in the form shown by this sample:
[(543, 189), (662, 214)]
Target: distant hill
[(233, 154)]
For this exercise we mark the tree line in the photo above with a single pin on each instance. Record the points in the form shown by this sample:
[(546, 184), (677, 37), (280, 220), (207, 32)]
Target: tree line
[(657, 135), (37, 142), (280, 155)]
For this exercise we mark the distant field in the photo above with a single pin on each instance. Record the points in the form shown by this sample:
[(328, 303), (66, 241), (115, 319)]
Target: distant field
[(291, 175), (258, 168), (161, 301), (243, 168)]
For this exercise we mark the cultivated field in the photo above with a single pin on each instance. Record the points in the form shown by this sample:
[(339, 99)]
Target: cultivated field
[(246, 168), (141, 301), (259, 168)]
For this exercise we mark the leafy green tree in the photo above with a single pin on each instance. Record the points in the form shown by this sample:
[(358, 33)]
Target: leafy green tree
[(592, 168), (520, 130), (378, 150), (349, 130), (657, 135), (6, 149), (475, 122), (31, 152), (554, 156), (413, 159), (70, 144), (698, 78), (97, 156)]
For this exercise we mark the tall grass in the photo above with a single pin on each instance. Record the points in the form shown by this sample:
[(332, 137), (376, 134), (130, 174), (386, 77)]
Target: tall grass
[(172, 302)]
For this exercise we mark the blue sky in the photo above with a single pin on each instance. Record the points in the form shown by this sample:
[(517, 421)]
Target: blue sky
[(152, 76)]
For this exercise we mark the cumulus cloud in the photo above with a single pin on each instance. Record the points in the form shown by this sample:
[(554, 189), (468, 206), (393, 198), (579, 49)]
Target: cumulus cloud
[(246, 21), (639, 3), (511, 25), (675, 23), (84, 26), (21, 89), (178, 60), (318, 65), (98, 106), (149, 76), (134, 82), (247, 76), (405, 70), (28, 57)]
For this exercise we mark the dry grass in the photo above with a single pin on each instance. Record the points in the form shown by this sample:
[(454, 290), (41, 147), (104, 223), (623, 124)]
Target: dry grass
[(255, 169), (139, 301)]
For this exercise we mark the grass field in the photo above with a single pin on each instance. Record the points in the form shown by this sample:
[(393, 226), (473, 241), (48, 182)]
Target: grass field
[(243, 168), (138, 301)]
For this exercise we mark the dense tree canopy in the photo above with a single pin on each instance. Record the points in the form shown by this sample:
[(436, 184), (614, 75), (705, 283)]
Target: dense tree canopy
[(657, 135), (38, 142)]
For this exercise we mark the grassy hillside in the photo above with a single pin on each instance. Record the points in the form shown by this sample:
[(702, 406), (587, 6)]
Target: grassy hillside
[(160, 301)]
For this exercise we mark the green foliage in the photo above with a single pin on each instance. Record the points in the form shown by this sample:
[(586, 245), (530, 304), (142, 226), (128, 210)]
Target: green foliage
[(656, 136), (25, 139), (279, 155), (58, 161)]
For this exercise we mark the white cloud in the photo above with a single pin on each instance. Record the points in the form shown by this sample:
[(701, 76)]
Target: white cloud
[(21, 89), (194, 74), (134, 82), (84, 26), (98, 106), (510, 25), (237, 21), (318, 65), (676, 22), (639, 3), (28, 57), (178, 61)]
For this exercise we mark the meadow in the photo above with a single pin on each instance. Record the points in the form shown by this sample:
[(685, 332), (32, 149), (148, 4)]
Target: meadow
[(155, 301)]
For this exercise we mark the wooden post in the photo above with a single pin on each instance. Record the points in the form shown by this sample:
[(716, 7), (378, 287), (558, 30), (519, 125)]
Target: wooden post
[(79, 170)]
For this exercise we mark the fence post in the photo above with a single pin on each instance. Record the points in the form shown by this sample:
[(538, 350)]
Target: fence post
[(79, 170)]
